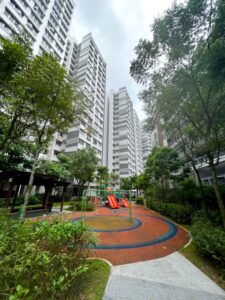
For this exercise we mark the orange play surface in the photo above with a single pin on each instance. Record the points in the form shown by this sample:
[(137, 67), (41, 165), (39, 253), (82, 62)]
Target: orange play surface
[(150, 235)]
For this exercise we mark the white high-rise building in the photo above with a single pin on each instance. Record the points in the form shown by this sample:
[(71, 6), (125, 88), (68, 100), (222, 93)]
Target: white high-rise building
[(138, 144), (122, 142), (91, 74), (46, 22), (146, 144), (71, 56)]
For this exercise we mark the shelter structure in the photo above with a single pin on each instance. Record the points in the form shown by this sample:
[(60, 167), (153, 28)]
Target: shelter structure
[(11, 183)]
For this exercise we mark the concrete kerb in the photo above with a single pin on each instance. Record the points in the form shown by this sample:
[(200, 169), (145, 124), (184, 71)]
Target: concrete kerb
[(102, 259)]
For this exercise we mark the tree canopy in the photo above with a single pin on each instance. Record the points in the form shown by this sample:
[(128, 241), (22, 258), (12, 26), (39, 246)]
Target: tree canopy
[(83, 166), (183, 67)]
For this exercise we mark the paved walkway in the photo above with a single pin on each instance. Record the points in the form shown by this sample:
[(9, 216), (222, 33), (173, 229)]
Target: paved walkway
[(146, 263), (168, 278)]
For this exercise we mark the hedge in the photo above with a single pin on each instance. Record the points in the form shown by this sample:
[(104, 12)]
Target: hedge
[(179, 213), (210, 241)]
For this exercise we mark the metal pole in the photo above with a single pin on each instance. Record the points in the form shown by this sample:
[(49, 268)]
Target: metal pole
[(130, 208)]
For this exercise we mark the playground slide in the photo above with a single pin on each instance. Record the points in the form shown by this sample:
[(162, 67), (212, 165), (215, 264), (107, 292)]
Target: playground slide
[(115, 200), (124, 202), (112, 201)]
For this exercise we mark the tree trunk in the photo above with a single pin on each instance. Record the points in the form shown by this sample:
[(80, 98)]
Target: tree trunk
[(203, 202), (78, 191), (29, 187), (217, 192)]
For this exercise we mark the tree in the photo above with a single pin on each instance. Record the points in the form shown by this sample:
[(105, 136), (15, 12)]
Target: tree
[(126, 183), (15, 57), (53, 168), (114, 178), (16, 157), (83, 166), (163, 166), (103, 173), (187, 50), (140, 183), (52, 102)]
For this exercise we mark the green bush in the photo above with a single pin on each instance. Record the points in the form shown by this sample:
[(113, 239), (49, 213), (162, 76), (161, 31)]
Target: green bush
[(77, 206), (42, 260), (33, 199), (213, 217), (2, 202), (210, 241), (179, 213), (139, 200)]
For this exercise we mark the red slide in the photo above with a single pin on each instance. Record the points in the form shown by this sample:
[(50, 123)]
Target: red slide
[(112, 201), (124, 202)]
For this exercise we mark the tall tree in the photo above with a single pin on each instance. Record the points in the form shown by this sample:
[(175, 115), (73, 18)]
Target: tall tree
[(162, 166), (187, 42), (102, 174), (15, 57), (52, 102), (53, 168), (83, 166), (126, 183)]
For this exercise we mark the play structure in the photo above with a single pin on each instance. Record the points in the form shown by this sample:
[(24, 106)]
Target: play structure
[(114, 199)]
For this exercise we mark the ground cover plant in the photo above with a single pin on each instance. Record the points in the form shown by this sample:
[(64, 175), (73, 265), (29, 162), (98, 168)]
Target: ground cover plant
[(42, 260)]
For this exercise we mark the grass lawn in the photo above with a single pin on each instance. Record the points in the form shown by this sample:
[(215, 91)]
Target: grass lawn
[(93, 282), (58, 204), (205, 265), (55, 204)]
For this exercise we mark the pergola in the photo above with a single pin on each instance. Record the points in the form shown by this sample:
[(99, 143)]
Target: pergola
[(21, 178)]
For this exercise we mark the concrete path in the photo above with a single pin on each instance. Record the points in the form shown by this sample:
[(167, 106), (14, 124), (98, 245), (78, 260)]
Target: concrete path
[(169, 278)]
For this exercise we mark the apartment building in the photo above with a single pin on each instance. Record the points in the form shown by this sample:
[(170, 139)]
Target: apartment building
[(71, 56), (138, 144), (46, 22), (146, 143), (91, 74), (122, 143)]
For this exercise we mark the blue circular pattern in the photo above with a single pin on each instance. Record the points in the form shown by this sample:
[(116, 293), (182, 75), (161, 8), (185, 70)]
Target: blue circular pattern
[(168, 235), (137, 223)]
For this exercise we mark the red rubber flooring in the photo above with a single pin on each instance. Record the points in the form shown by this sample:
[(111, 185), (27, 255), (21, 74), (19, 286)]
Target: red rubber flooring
[(155, 237), (151, 237)]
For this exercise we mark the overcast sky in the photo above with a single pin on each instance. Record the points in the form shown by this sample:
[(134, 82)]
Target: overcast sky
[(117, 26)]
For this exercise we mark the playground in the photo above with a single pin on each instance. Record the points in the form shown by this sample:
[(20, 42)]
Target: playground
[(128, 232)]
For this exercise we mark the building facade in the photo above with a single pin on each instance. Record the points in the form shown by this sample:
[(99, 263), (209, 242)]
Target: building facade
[(91, 74), (71, 56), (146, 144), (46, 22), (122, 142), (138, 144)]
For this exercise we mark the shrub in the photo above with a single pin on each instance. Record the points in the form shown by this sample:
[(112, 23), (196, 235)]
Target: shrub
[(201, 217), (139, 200), (77, 206), (41, 260), (33, 199), (179, 213), (210, 241), (2, 202)]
